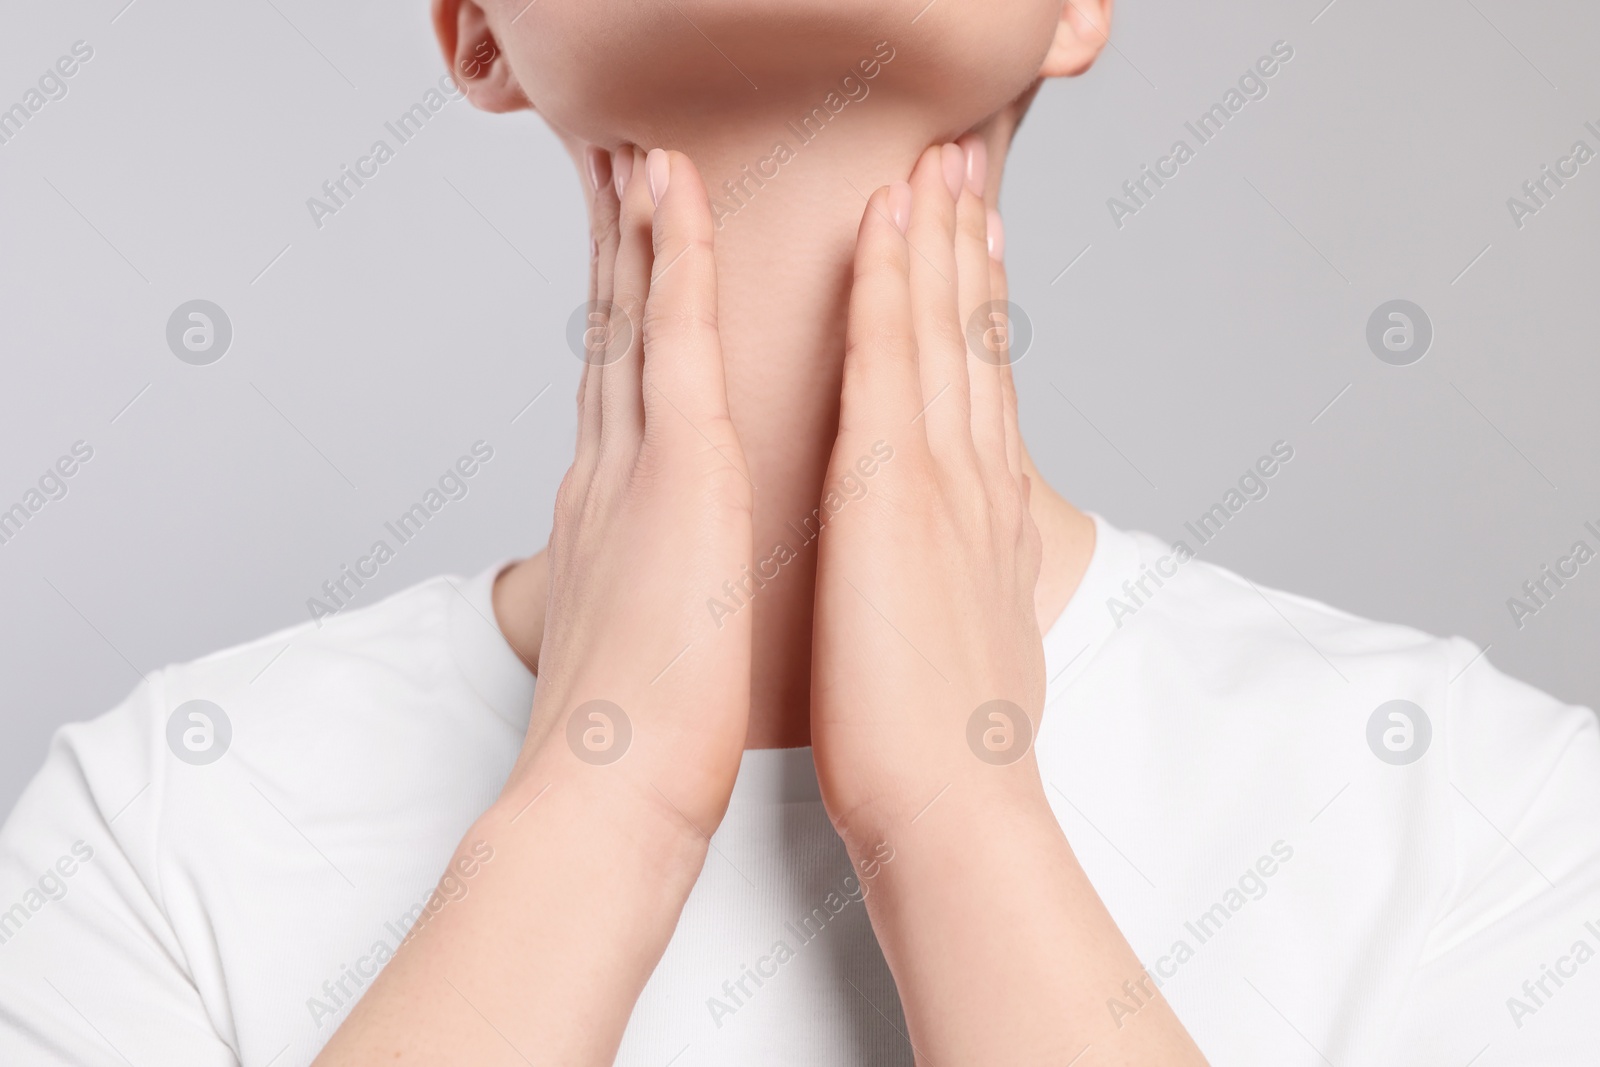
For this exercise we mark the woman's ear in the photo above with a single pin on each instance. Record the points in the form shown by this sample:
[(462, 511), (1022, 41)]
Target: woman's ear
[(474, 56), (1080, 35)]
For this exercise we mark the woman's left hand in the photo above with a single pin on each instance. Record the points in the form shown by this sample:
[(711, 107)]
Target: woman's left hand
[(925, 631), (928, 675)]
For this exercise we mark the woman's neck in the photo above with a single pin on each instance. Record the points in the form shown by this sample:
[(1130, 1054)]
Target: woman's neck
[(785, 247)]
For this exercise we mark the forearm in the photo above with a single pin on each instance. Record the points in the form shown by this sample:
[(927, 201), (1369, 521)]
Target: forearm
[(545, 954), (1001, 948)]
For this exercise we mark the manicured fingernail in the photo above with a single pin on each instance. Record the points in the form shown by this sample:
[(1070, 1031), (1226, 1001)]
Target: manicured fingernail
[(900, 205), (622, 168), (599, 163), (977, 162), (997, 237), (955, 165), (659, 169)]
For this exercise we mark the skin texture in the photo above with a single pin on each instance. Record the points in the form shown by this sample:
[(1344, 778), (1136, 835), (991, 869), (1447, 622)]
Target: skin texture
[(763, 365), (784, 259)]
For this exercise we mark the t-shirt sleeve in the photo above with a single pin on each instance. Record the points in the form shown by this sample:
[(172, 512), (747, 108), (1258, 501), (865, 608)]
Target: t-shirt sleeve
[(91, 972), (1510, 972)]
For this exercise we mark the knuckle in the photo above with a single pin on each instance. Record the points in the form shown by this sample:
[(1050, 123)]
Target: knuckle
[(972, 219), (1007, 509), (674, 321), (693, 245), (949, 334), (630, 304), (938, 213), (569, 499), (857, 378), (880, 258), (879, 342), (704, 466), (607, 230), (636, 213), (724, 488), (921, 483)]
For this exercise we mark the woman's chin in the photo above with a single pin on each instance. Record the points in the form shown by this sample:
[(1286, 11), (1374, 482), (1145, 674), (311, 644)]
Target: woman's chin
[(608, 71)]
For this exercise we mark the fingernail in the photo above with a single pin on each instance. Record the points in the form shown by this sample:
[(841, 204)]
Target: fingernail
[(977, 162), (622, 168), (599, 163), (900, 205), (954, 165), (659, 169), (997, 237)]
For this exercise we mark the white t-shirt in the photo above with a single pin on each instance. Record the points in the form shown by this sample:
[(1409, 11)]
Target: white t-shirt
[(1210, 749)]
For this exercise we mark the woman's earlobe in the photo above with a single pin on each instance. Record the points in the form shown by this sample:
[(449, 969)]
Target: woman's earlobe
[(1081, 34)]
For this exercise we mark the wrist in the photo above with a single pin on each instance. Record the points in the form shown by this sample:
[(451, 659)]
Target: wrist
[(601, 811), (636, 757), (965, 801), (967, 849)]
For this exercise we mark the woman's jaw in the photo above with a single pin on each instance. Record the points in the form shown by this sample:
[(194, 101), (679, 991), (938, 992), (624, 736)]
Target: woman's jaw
[(694, 72)]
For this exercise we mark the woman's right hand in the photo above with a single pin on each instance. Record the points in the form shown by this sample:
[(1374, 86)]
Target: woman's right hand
[(583, 864), (643, 695)]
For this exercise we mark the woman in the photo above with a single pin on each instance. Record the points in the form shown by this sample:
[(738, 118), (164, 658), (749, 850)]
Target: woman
[(853, 742)]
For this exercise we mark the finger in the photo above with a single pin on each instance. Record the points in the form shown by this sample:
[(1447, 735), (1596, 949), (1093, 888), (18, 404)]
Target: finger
[(621, 405), (685, 390), (998, 292), (941, 349), (882, 389), (602, 258), (984, 338)]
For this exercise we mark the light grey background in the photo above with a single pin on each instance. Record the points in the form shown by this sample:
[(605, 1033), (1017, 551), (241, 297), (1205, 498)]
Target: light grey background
[(370, 354)]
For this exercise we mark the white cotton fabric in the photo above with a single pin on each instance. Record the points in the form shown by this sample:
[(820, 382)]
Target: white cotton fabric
[(1300, 900)]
